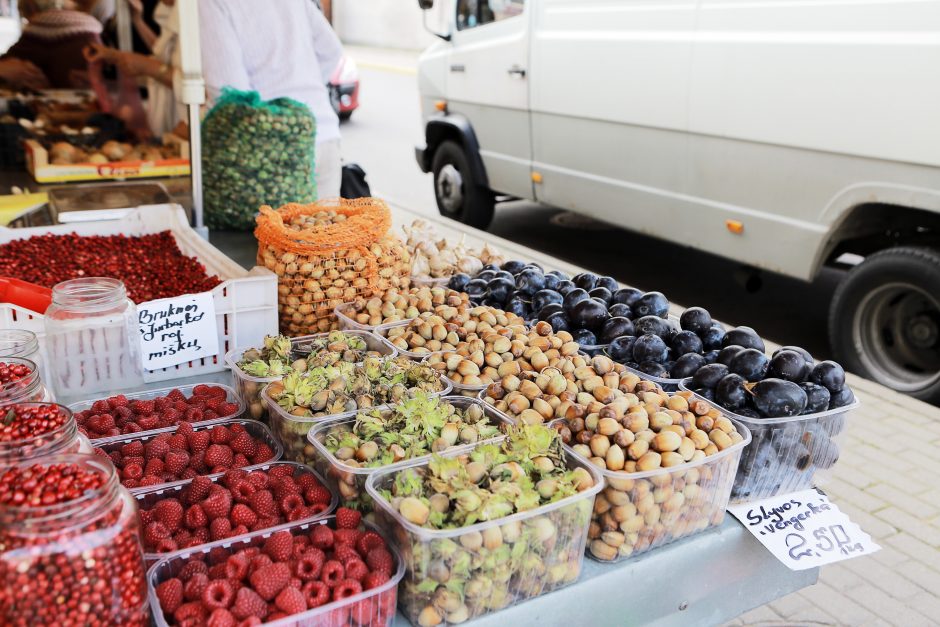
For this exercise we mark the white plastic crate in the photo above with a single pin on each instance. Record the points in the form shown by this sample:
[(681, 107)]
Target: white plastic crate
[(245, 301)]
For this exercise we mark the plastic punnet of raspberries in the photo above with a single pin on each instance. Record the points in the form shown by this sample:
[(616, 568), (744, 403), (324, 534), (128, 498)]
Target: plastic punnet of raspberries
[(285, 573)]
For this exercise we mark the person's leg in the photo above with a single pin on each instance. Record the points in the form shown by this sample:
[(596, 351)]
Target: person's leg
[(329, 169)]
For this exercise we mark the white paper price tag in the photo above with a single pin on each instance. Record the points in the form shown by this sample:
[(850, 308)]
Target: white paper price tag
[(804, 529), (176, 330)]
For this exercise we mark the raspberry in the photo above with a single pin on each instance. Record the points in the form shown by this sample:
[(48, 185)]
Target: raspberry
[(356, 569), (189, 473), (217, 572), (169, 512), (176, 461), (157, 447), (154, 467), (201, 535), (170, 595), (142, 407), (198, 441), (199, 489), (182, 535), (220, 528), (236, 566), (240, 530), (259, 479), (201, 389), (118, 401), (262, 502), (380, 560), (242, 490), (345, 553), (332, 573), (291, 502), (196, 517), (259, 561), (242, 515), (218, 593), (347, 518), (298, 513), (291, 601), (317, 494), (132, 470), (316, 593), (245, 444), (346, 588), (178, 440), (154, 532), (374, 580), (148, 422), (270, 580), (195, 586), (309, 565), (233, 476), (166, 545), (227, 409), (369, 540), (321, 537), (220, 434), (217, 505), (263, 454), (249, 603), (133, 449), (176, 395), (198, 461), (279, 546), (221, 617), (218, 455), (193, 414), (184, 430), (192, 613), (346, 536), (192, 568)]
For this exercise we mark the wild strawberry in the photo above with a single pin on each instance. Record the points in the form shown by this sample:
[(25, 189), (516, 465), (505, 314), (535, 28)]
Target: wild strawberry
[(218, 593), (322, 537), (245, 444), (346, 588), (242, 515), (316, 593), (346, 536), (218, 455), (270, 580), (249, 603), (347, 518), (381, 560), (356, 569), (176, 461), (194, 588), (291, 502), (279, 546), (169, 512), (154, 532), (221, 617), (369, 540), (170, 595), (309, 565), (217, 504), (220, 434), (317, 494), (220, 528), (291, 601), (332, 573), (199, 441), (262, 502), (374, 580), (192, 568), (236, 566), (196, 517)]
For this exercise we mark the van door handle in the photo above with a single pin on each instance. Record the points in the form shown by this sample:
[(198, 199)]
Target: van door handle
[(458, 67), (516, 71)]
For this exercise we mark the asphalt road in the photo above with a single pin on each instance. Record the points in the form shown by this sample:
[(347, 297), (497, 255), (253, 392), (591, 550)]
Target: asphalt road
[(381, 136)]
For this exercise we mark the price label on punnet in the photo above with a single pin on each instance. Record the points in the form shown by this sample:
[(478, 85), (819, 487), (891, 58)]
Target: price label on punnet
[(177, 330), (804, 529)]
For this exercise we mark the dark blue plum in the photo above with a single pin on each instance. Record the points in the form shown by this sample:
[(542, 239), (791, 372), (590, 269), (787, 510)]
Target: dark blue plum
[(653, 325), (751, 364), (706, 393), (728, 353), (695, 319), (513, 266), (586, 281), (601, 292), (584, 337), (489, 302), (713, 338), (566, 286), (653, 369), (529, 281), (627, 295), (486, 275), (519, 307), (730, 392), (830, 375), (621, 348), (572, 298), (549, 309), (609, 283), (687, 365), (817, 397), (458, 282), (776, 398), (552, 281), (708, 376), (789, 366), (650, 348), (476, 289), (798, 349), (686, 342), (546, 297), (620, 310), (710, 356), (559, 322), (651, 304), (500, 290), (743, 336), (490, 267), (589, 314), (841, 398), (614, 328), (502, 274)]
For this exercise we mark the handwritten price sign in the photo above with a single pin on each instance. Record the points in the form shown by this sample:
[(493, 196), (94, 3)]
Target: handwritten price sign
[(804, 529), (177, 330)]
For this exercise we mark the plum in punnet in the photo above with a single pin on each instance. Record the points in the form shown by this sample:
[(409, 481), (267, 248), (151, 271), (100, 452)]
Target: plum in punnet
[(709, 376), (566, 286), (841, 398), (707, 393), (713, 338), (559, 322), (789, 366), (776, 398), (589, 314), (653, 325), (621, 348), (546, 297), (695, 319), (584, 337), (475, 289), (500, 290), (529, 281), (459, 281), (728, 353), (551, 308), (687, 365), (586, 280), (686, 342), (743, 336), (797, 349), (650, 348), (731, 392), (627, 296), (486, 275), (513, 266), (601, 292), (619, 310), (519, 307), (830, 375), (751, 364), (710, 356), (614, 328), (653, 369), (572, 298), (651, 304), (609, 283), (817, 397)]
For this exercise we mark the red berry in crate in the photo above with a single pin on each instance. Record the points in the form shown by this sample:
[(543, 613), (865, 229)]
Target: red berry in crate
[(27, 421)]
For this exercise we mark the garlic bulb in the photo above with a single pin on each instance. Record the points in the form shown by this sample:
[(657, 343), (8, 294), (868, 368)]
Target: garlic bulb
[(437, 257)]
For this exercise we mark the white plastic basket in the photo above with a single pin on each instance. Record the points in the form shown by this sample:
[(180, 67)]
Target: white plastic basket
[(245, 301)]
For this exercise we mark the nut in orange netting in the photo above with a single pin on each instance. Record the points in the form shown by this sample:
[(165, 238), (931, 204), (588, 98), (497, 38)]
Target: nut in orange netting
[(328, 253)]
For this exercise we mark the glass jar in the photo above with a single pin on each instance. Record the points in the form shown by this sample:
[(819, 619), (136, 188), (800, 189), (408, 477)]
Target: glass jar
[(28, 389), (20, 343), (77, 561), (60, 437), (92, 338)]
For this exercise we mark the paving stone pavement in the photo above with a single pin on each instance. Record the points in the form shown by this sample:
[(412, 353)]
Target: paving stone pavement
[(888, 481)]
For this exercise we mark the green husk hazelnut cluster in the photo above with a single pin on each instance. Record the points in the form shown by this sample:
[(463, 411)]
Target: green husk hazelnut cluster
[(340, 388), (456, 577), (273, 359), (330, 349), (416, 427)]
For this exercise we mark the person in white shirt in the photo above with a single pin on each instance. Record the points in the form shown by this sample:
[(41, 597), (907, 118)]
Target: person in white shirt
[(279, 48)]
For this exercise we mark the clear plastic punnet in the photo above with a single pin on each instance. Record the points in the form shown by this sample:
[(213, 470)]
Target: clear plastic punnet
[(494, 564), (291, 431), (641, 511), (346, 317), (148, 499), (370, 608), (787, 454), (249, 387), (383, 332), (349, 482), (187, 390), (254, 428)]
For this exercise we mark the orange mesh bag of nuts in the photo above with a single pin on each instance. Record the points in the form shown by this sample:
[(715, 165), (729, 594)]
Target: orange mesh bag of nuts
[(328, 253)]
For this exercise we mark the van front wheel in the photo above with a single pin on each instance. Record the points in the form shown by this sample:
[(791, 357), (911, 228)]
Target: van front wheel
[(884, 321), (458, 196)]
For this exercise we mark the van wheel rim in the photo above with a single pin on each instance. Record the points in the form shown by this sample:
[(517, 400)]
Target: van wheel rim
[(896, 333), (449, 187)]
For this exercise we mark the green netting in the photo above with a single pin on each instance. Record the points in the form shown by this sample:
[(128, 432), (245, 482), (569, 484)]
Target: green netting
[(255, 153)]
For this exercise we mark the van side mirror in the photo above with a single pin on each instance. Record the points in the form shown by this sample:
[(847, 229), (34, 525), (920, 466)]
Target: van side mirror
[(424, 5)]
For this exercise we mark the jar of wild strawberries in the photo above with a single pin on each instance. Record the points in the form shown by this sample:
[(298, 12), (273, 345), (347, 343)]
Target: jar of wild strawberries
[(20, 382), (92, 338), (70, 551), (29, 430), (21, 343)]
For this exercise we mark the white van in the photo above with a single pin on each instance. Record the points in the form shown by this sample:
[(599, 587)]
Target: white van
[(780, 133)]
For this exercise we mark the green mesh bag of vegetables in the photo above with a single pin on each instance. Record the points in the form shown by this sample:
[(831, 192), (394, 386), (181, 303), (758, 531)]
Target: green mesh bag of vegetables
[(255, 153)]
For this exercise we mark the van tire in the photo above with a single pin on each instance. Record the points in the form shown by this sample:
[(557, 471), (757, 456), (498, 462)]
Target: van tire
[(884, 321), (457, 194)]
